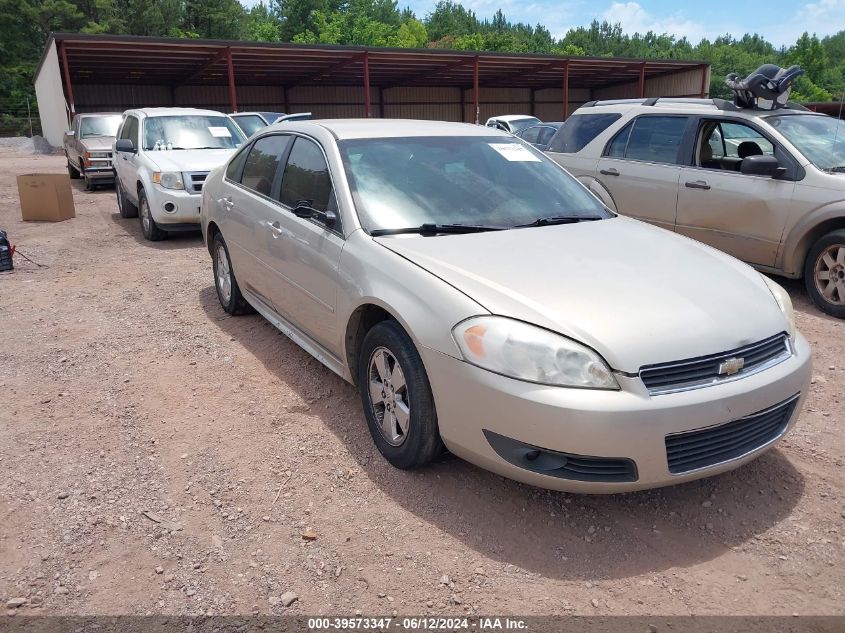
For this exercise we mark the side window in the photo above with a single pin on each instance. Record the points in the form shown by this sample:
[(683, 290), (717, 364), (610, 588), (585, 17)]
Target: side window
[(262, 163), (130, 129), (545, 135), (581, 129), (655, 139), (723, 145), (616, 148), (236, 165), (307, 177)]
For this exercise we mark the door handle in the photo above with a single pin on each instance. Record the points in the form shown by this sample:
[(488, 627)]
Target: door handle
[(697, 184), (609, 172), (276, 229)]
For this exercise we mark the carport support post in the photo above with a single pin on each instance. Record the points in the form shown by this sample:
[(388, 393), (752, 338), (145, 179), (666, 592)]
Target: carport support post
[(68, 85), (642, 80), (367, 112), (565, 90), (704, 89), (233, 99), (475, 89)]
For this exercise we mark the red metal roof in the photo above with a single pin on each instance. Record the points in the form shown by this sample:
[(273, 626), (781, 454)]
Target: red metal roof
[(146, 60)]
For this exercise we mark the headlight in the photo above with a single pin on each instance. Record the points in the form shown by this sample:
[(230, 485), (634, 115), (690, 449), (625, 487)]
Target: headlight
[(527, 352), (784, 303), (168, 179), (96, 154)]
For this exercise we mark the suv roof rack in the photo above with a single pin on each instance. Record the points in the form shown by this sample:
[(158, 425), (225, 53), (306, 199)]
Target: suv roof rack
[(719, 104)]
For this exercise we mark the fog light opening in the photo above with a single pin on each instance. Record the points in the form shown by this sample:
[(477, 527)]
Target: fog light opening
[(169, 207)]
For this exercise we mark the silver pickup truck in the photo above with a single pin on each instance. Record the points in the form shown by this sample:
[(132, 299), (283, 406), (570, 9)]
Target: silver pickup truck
[(88, 147)]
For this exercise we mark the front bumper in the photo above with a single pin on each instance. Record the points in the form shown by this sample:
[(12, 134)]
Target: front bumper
[(474, 405), (174, 206), (100, 171)]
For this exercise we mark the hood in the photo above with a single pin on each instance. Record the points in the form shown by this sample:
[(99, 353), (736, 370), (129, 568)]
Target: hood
[(635, 293), (189, 159), (97, 143)]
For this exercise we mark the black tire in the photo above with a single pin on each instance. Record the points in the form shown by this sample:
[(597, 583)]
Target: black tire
[(421, 443), (72, 171), (834, 303), (149, 228), (126, 208), (235, 304)]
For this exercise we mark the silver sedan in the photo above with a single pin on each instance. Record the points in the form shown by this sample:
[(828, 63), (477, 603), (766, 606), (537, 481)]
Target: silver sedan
[(485, 302)]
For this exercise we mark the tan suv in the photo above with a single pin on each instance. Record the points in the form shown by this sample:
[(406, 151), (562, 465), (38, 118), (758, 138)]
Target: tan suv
[(766, 186)]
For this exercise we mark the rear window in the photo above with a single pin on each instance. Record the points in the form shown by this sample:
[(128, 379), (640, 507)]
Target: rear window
[(580, 130)]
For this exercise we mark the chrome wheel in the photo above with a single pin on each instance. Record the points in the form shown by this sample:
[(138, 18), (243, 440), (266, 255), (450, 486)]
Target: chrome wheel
[(830, 274), (224, 275), (146, 220), (389, 396)]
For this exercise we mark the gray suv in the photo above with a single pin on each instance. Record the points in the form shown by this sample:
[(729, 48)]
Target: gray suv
[(766, 186)]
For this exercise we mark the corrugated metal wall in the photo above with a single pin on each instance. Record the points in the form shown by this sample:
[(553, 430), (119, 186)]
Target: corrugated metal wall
[(434, 102), (682, 84)]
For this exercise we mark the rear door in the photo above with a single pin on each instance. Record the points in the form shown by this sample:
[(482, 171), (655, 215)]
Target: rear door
[(741, 214), (640, 168), (247, 203), (304, 253)]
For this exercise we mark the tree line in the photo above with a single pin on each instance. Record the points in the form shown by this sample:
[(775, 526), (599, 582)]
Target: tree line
[(26, 24)]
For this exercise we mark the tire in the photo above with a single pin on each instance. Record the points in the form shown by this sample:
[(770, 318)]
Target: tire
[(126, 208), (232, 300), (419, 442), (149, 228), (824, 273), (73, 172)]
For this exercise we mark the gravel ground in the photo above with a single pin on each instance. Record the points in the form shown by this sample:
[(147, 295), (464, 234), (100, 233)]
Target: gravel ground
[(160, 457)]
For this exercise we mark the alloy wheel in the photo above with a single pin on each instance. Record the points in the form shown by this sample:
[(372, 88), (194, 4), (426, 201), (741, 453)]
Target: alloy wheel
[(224, 275), (830, 274), (389, 396)]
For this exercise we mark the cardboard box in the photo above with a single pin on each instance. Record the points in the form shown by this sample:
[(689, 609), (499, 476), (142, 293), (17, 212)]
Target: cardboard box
[(45, 197)]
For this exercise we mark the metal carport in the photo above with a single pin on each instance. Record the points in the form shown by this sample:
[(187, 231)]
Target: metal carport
[(84, 73)]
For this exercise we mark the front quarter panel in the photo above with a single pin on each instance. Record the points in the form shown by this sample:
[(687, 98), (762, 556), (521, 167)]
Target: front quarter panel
[(427, 307)]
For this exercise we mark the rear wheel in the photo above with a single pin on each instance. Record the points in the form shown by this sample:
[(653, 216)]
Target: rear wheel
[(228, 291), (72, 171), (126, 208), (824, 273), (397, 398), (151, 230)]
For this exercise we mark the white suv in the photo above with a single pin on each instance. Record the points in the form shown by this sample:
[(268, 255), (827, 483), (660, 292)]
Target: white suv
[(161, 159)]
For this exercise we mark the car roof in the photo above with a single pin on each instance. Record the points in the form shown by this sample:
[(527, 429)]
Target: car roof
[(512, 117), (685, 105), (151, 112), (83, 115), (387, 128)]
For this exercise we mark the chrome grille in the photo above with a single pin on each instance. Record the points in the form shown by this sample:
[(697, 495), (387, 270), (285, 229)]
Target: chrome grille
[(692, 450), (194, 180), (707, 370)]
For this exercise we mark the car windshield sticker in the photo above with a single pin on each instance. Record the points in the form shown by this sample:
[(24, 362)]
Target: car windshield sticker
[(220, 132), (515, 152)]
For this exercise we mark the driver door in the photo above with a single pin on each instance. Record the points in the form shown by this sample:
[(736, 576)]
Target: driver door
[(741, 214)]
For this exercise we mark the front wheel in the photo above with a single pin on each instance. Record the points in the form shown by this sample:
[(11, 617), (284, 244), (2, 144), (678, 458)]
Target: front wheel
[(150, 229), (397, 398), (824, 273), (72, 171)]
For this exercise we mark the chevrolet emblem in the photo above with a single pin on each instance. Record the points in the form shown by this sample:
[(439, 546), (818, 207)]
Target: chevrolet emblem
[(731, 366)]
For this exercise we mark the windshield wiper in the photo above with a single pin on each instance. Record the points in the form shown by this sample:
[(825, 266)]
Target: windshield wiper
[(839, 169), (560, 219), (435, 229)]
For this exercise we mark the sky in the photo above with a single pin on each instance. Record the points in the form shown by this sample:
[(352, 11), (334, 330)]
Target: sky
[(778, 21)]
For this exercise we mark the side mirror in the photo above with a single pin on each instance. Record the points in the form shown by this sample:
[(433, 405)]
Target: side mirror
[(125, 145), (69, 134), (303, 209), (761, 166)]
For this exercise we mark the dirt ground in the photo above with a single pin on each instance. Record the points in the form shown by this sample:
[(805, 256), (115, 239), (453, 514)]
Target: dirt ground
[(125, 389)]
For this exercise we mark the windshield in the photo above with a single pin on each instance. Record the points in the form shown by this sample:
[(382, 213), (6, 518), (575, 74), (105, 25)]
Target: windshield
[(249, 123), (191, 132), (821, 139), (99, 126), (521, 124), (495, 180)]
